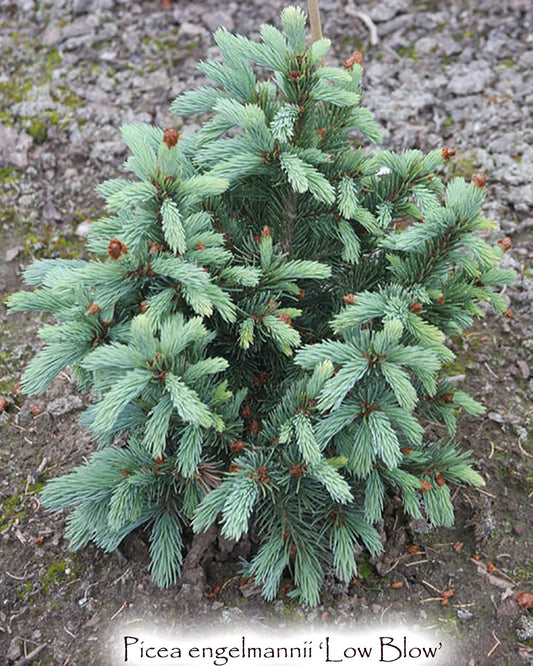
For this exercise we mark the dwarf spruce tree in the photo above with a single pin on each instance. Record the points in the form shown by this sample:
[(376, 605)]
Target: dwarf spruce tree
[(263, 323)]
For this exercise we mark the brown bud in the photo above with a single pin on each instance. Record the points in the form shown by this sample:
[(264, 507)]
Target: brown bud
[(447, 397), (160, 459), (266, 232), (440, 300), (509, 314), (125, 472), (448, 152), (237, 445), (440, 479), (93, 308), (285, 317), (254, 428), (171, 137), (505, 243), (246, 412), (296, 470), (292, 551), (261, 378), (116, 248), (303, 410), (200, 246), (479, 180), (414, 549), (35, 410), (301, 295), (234, 468), (295, 75), (154, 248), (416, 307), (355, 59), (321, 131), (407, 450), (3, 404), (262, 473), (349, 299), (425, 485), (144, 306)]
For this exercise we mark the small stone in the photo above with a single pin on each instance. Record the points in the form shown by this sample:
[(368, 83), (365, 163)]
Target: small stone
[(425, 46), (14, 650), (81, 6), (83, 229), (232, 616), (524, 369), (524, 629), (420, 526), (507, 610), (65, 405), (464, 614), (14, 148), (51, 36), (13, 252), (385, 11), (107, 151), (217, 19), (494, 416), (108, 56), (469, 80), (526, 60), (50, 212)]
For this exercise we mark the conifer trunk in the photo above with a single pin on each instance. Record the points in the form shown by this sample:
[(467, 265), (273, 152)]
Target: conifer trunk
[(314, 18)]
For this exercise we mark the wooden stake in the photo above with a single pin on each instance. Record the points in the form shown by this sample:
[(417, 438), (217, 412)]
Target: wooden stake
[(314, 18)]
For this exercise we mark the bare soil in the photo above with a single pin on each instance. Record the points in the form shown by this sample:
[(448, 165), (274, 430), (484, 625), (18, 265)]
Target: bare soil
[(74, 604)]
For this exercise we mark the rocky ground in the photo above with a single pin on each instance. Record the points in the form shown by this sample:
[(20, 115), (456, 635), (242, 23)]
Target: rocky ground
[(72, 71)]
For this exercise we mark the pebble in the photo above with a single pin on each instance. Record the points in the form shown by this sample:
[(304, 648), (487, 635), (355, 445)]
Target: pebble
[(14, 651), (425, 45), (50, 212), (469, 80), (385, 11), (13, 252), (83, 229), (464, 614), (14, 147), (217, 19), (524, 629), (64, 405)]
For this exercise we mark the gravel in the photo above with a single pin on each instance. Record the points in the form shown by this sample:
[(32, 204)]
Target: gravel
[(73, 71)]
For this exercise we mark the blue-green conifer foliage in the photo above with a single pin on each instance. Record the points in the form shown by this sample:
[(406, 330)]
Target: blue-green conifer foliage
[(264, 323)]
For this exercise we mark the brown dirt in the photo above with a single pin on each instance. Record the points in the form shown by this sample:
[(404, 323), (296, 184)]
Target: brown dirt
[(76, 603)]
